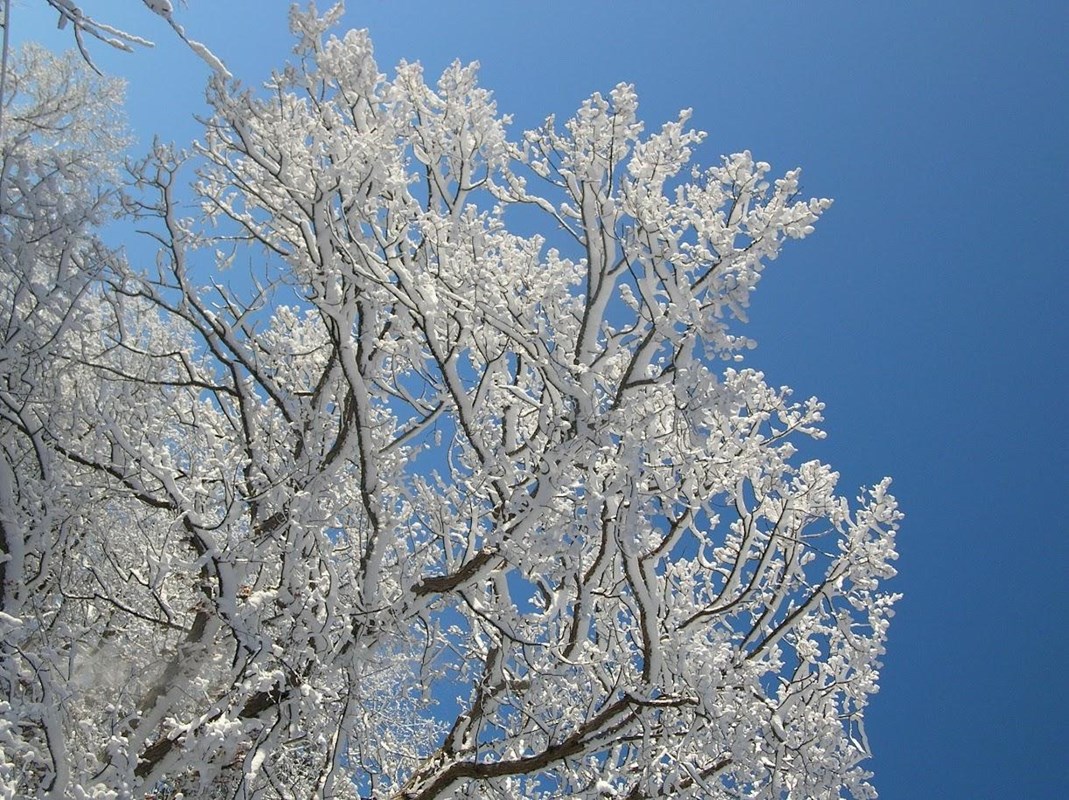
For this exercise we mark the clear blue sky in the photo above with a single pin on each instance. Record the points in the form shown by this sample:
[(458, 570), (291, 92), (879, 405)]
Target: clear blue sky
[(927, 311)]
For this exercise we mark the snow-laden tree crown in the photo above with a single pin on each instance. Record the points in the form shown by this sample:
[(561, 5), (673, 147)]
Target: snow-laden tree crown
[(356, 491)]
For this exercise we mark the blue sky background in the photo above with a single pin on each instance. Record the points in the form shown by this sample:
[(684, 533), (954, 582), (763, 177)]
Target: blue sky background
[(927, 311)]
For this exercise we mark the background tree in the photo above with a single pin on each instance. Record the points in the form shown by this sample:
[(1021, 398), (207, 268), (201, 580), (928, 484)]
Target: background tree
[(420, 505), (57, 173)]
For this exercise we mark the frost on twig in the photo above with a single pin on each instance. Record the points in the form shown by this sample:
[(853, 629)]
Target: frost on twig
[(82, 25)]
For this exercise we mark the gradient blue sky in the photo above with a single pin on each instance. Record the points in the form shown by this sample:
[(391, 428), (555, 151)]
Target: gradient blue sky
[(927, 311)]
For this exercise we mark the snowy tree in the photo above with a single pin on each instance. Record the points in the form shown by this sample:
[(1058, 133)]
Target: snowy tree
[(359, 490), (56, 164)]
